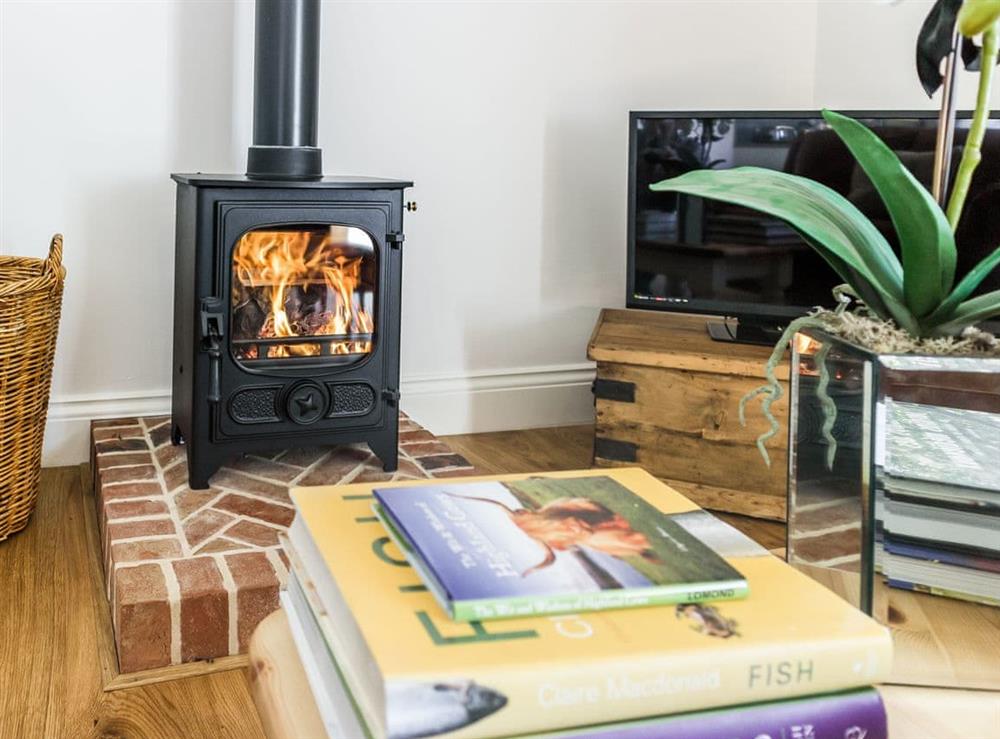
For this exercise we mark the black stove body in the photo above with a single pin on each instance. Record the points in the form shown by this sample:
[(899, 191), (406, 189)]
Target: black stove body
[(239, 385), (287, 283)]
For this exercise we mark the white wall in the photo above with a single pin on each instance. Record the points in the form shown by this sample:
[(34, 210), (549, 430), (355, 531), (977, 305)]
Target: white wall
[(865, 57), (510, 117)]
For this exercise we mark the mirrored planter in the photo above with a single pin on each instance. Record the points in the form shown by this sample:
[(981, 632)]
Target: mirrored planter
[(894, 498)]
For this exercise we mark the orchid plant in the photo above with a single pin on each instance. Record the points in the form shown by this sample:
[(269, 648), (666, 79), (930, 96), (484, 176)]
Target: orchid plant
[(917, 293)]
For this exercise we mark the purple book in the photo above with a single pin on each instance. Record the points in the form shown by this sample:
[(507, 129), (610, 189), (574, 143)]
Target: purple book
[(932, 553), (858, 714)]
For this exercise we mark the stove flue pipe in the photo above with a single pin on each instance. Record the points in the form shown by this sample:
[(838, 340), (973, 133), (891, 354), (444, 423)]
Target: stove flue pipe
[(285, 91)]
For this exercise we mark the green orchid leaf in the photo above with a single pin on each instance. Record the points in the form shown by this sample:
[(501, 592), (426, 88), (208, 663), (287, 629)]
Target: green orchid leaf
[(926, 239), (965, 287), (971, 312), (876, 301), (832, 224)]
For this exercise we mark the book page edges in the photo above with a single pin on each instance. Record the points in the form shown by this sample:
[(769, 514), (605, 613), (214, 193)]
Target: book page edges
[(339, 628)]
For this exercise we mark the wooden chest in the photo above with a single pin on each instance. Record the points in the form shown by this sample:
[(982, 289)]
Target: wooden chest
[(667, 398)]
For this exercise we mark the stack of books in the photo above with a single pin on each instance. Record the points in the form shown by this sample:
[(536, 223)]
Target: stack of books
[(565, 604), (723, 225), (938, 501)]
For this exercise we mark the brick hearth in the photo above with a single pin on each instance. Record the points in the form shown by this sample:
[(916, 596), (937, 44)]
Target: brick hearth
[(827, 533), (190, 573)]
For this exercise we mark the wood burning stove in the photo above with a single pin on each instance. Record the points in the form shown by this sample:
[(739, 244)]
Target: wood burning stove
[(287, 283)]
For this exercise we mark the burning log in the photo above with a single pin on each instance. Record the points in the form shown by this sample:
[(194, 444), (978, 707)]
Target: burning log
[(298, 283)]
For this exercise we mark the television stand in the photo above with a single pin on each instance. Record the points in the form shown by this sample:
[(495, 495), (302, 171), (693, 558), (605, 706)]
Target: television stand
[(744, 332), (667, 399)]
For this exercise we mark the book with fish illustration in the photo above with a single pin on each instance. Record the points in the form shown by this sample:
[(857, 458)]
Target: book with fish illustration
[(439, 708), (413, 671), (541, 546)]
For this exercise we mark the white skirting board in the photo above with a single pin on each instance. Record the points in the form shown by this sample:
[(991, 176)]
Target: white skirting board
[(531, 397), (67, 427), (528, 397)]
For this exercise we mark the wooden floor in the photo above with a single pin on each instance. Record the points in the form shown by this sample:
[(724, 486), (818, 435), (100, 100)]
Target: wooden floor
[(569, 448), (52, 612), (53, 616)]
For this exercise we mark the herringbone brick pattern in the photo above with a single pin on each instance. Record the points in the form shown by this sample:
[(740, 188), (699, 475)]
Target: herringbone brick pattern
[(190, 573)]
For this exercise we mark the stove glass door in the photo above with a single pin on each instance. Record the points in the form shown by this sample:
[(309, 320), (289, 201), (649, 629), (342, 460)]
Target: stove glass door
[(303, 295)]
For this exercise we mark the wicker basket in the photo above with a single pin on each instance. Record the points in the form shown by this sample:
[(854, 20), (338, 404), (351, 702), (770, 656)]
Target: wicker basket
[(30, 301)]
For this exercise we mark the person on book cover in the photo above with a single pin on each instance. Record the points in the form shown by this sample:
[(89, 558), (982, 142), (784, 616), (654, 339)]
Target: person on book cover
[(497, 539), (570, 524)]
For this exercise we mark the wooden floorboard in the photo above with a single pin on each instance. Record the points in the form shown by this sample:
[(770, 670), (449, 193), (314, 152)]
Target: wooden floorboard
[(54, 619), (51, 643), (533, 450)]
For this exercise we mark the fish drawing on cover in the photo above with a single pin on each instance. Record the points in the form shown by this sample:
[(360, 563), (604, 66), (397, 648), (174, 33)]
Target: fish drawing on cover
[(707, 620), (428, 709)]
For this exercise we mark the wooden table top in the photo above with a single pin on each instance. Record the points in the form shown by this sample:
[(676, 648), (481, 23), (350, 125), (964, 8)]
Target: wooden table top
[(673, 341)]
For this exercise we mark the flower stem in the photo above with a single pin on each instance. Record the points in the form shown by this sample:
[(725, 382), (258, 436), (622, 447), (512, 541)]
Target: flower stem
[(773, 391), (972, 152), (826, 403)]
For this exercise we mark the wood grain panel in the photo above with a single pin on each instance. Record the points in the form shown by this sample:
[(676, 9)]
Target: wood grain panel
[(677, 455), (938, 641), (699, 404), (716, 498), (680, 418), (531, 450), (674, 341), (279, 684), (941, 641)]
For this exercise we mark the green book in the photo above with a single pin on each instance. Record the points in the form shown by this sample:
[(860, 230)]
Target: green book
[(544, 546)]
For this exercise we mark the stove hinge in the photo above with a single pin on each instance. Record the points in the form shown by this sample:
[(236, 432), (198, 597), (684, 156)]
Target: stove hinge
[(395, 240), (390, 396), (213, 328)]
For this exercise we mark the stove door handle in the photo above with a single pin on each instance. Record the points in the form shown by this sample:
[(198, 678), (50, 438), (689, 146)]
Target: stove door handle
[(212, 331), (214, 389)]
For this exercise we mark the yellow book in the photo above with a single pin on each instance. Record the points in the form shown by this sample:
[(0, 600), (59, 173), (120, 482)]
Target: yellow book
[(413, 671)]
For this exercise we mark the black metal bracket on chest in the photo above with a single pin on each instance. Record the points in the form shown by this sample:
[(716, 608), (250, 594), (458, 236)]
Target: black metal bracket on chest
[(612, 449), (390, 396), (395, 240), (623, 392)]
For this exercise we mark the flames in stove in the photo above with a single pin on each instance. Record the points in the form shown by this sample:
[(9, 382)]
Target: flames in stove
[(293, 285)]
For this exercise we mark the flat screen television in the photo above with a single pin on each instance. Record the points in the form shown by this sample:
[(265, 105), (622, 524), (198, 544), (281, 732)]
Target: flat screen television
[(692, 255)]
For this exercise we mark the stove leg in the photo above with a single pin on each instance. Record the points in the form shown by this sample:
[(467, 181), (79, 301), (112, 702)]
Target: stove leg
[(200, 469), (198, 479), (386, 448)]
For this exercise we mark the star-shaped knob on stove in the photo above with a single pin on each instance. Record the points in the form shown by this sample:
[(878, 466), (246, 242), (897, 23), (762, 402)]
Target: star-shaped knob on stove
[(307, 403)]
